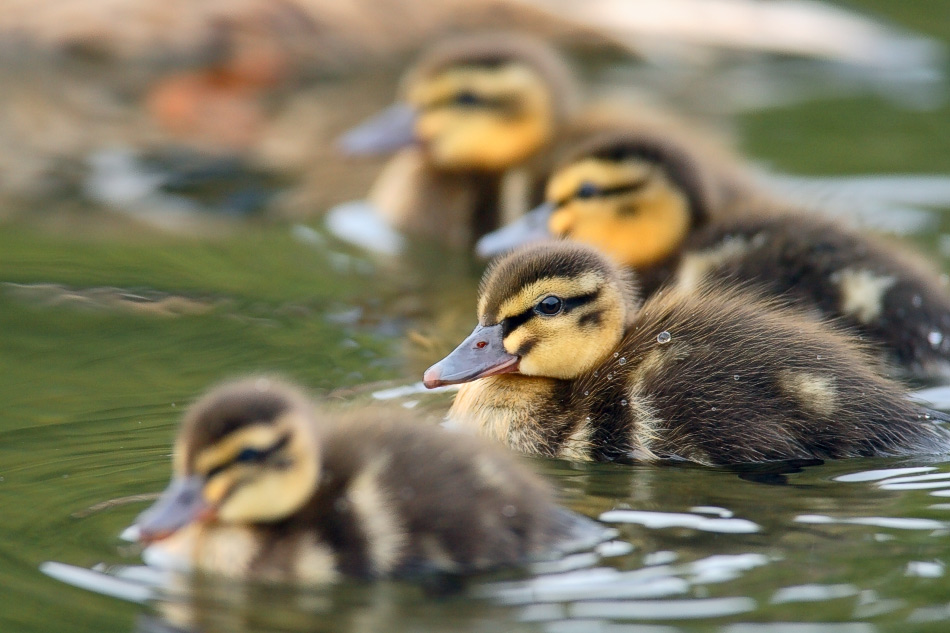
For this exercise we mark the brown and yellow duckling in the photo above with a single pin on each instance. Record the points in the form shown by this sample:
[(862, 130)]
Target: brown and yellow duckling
[(645, 201), (471, 110), (263, 489), (565, 362)]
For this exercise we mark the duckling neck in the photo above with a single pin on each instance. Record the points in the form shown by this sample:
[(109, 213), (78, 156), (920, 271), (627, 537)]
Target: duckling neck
[(486, 200), (506, 408)]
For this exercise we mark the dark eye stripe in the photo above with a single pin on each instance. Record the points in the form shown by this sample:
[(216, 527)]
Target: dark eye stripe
[(472, 100), (605, 193), (512, 323), (263, 455)]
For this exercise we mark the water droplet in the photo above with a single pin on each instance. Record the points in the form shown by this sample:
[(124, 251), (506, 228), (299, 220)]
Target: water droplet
[(623, 360), (610, 376), (735, 377), (623, 403), (664, 337), (596, 373), (818, 356), (616, 354), (586, 393), (587, 419), (916, 301), (714, 409), (935, 338)]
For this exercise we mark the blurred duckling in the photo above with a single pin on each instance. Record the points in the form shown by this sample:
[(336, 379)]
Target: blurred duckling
[(472, 116), (566, 362), (264, 490), (650, 203)]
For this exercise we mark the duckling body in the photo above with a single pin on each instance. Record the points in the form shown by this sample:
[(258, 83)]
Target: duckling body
[(644, 200), (476, 115), (264, 491), (709, 375)]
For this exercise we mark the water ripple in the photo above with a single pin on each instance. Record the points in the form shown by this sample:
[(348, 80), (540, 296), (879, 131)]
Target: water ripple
[(655, 520), (897, 523)]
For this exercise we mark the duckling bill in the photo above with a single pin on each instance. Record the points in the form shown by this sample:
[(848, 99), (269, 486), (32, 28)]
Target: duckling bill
[(265, 489), (566, 361)]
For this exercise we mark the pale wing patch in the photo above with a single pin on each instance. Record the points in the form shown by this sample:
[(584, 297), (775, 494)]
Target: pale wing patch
[(435, 553), (815, 392), (646, 424), (493, 475), (315, 563), (578, 444), (696, 266), (385, 536), (862, 292)]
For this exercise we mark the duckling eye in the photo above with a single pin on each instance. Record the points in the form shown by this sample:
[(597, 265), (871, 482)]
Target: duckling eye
[(248, 455), (467, 99), (549, 306), (588, 190)]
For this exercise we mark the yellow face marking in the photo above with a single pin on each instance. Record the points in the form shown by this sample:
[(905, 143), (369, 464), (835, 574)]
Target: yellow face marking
[(565, 183), (489, 136), (530, 295), (258, 436), (639, 220)]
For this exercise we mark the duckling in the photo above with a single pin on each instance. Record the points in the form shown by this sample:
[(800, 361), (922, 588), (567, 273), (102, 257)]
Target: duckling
[(473, 115), (566, 362), (264, 489), (651, 203)]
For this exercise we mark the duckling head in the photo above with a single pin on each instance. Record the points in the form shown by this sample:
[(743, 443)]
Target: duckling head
[(634, 196), (482, 102), (247, 452), (553, 310)]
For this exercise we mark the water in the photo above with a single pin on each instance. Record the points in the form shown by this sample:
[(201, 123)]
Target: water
[(108, 330)]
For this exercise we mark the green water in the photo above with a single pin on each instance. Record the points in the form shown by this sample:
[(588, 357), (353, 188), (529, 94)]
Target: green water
[(93, 384)]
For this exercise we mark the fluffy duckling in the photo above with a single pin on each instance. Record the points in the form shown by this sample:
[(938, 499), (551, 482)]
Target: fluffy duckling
[(471, 110), (650, 203), (566, 362), (262, 489)]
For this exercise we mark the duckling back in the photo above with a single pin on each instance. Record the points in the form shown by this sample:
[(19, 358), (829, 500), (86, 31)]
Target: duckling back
[(888, 296), (722, 376), (407, 500)]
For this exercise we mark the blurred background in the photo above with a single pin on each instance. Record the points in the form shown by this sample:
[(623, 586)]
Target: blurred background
[(156, 109)]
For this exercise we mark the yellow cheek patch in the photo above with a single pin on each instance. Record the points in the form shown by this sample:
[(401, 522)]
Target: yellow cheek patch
[(563, 185), (218, 487)]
